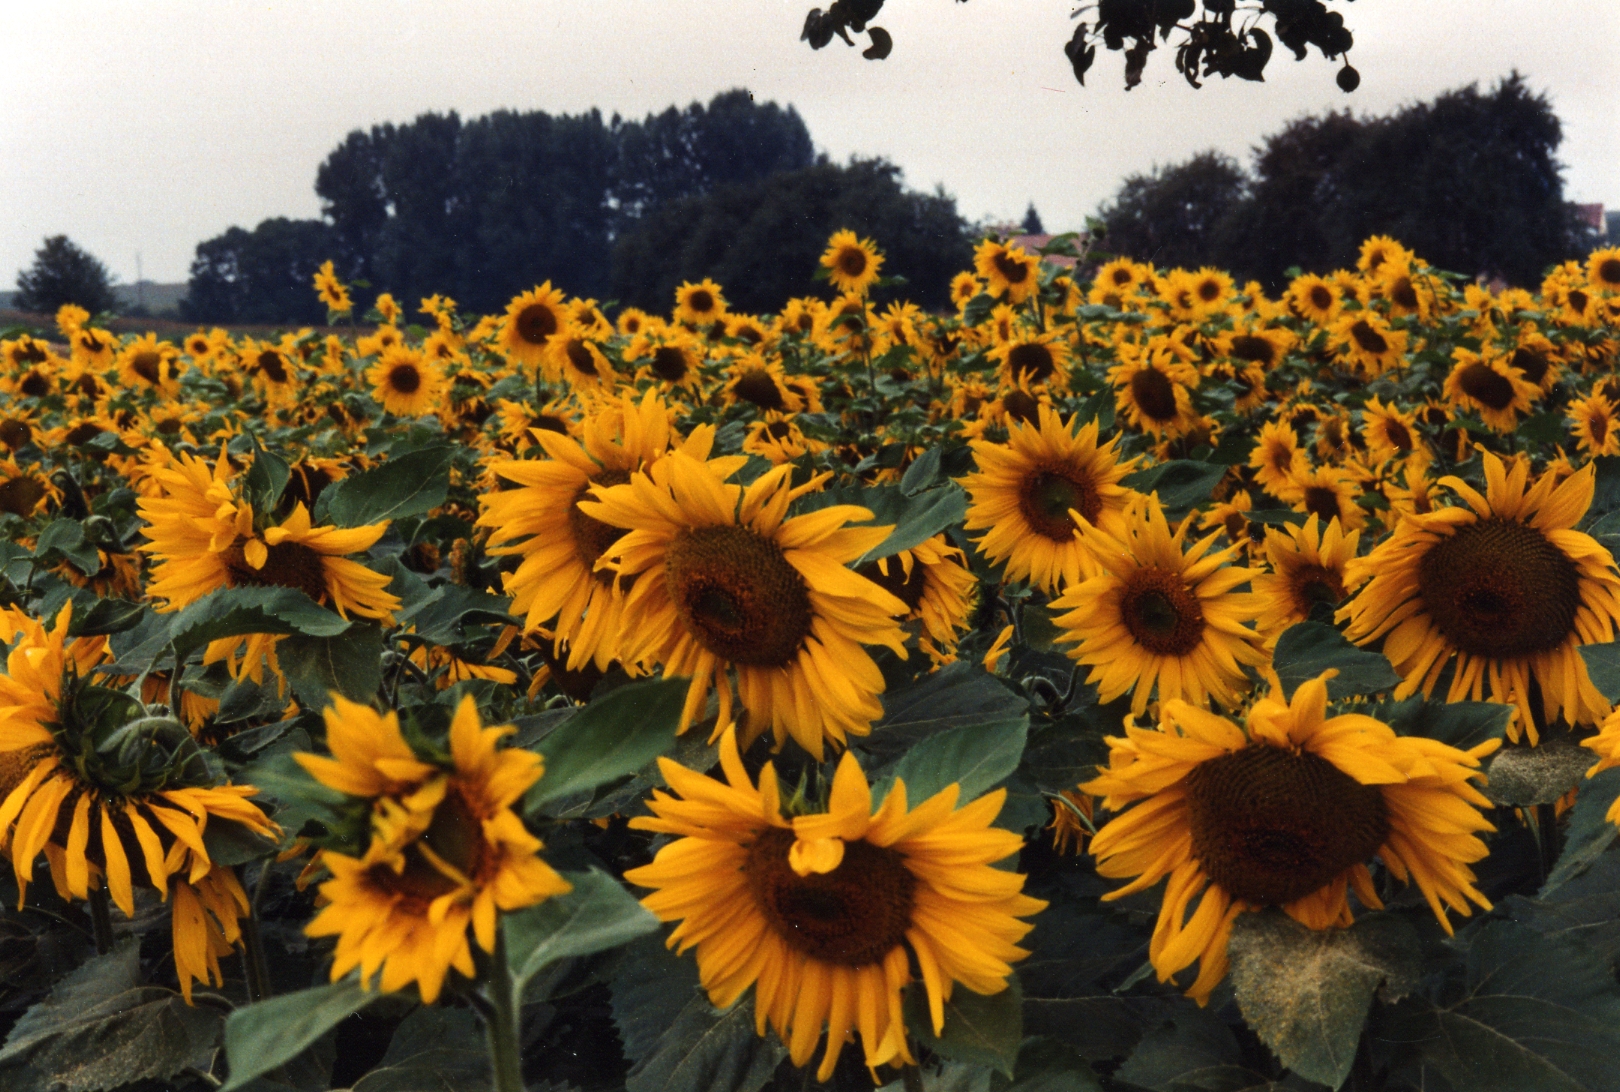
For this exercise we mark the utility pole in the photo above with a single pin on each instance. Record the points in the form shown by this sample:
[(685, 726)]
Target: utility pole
[(140, 282)]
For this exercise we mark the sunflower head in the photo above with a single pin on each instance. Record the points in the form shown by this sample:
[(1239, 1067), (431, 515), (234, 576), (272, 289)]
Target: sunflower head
[(851, 263)]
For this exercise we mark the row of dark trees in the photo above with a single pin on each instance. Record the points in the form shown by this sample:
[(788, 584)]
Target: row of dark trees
[(1469, 181), (482, 209)]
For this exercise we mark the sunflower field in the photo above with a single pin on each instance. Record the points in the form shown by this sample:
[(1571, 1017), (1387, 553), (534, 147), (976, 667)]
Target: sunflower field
[(1129, 681)]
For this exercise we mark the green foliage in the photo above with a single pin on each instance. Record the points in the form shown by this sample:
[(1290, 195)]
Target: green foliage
[(349, 663), (63, 273), (1307, 649), (406, 485), (261, 1037), (596, 915), (980, 1029), (611, 738)]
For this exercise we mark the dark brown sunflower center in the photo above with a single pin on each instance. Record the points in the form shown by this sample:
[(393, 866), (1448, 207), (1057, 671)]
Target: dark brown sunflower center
[(536, 323), (853, 916), (35, 385), (1154, 394), (1161, 613), (1369, 339), (1236, 524), (15, 433), (1532, 363), (289, 565), (1399, 436), (1321, 297), (147, 365), (168, 426), (906, 587), (19, 496), (1271, 826), (1031, 360), (592, 537), (1578, 300), (580, 357), (1609, 271), (1484, 384), (738, 595), (1209, 291), (779, 430), (271, 364), (1122, 277), (1015, 271), (456, 835), (1499, 588), (546, 422), (29, 352), (756, 386), (851, 261), (1257, 349), (405, 379), (1598, 426), (1313, 584), (1404, 293), (669, 363), (82, 433), (1046, 497), (1020, 406), (700, 302), (1323, 500)]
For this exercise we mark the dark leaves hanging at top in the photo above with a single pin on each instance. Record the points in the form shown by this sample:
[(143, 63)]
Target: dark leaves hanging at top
[(845, 16)]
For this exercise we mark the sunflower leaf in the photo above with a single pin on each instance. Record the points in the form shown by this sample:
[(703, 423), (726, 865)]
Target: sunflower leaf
[(1307, 649), (233, 612), (1461, 724), (979, 1029), (1048, 1065), (1306, 993), (978, 757), (260, 1037), (349, 663), (405, 485), (1590, 833), (1182, 484), (1603, 665), (612, 737), (1535, 1014), (706, 1050), (434, 1048), (596, 915)]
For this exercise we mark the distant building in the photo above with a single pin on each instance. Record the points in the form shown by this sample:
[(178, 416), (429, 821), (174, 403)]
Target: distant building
[(1613, 220), (1033, 244)]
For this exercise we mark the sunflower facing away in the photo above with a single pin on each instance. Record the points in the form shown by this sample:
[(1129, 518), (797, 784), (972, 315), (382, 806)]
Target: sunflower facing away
[(1502, 588), (95, 822), (446, 852), (851, 263), (1285, 811), (1160, 614), (724, 582), (826, 914), (1024, 491)]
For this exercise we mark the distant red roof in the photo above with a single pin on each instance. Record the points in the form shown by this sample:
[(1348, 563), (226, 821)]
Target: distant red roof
[(1591, 216), (1033, 244)]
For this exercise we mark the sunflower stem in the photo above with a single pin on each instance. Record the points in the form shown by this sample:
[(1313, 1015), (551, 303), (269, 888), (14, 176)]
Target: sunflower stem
[(101, 920), (504, 1046), (255, 965), (1547, 836)]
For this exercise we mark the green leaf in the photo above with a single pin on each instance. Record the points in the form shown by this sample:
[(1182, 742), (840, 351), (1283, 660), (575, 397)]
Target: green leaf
[(260, 1037), (978, 309), (64, 539), (1521, 775), (915, 519), (1234, 448), (976, 756), (1306, 993), (405, 485), (1584, 911), (612, 737), (230, 844), (232, 612), (922, 473), (1182, 484), (106, 616), (650, 986), (434, 1049), (1590, 834), (596, 915), (1307, 649), (349, 663), (1603, 665), (707, 1050), (958, 694), (1461, 724), (99, 1029), (1047, 1065), (266, 478), (983, 1030), (1543, 428), (1536, 1015), (444, 616), (1177, 1053)]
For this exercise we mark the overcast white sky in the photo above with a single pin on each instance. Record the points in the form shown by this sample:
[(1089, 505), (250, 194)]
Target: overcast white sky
[(151, 125)]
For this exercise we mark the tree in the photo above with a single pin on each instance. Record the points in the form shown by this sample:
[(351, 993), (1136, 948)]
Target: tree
[(1208, 45), (1032, 221), (761, 240), (62, 273), (263, 275), (1173, 215)]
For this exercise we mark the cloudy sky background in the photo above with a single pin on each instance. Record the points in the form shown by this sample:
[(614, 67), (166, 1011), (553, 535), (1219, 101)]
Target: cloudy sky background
[(151, 126)]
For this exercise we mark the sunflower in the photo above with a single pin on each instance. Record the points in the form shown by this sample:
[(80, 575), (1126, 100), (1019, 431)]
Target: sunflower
[(934, 582), (1153, 390), (1308, 569), (1285, 811), (388, 308), (1028, 357), (851, 263), (1379, 251), (575, 355), (532, 318), (100, 825), (1251, 343), (777, 438), (332, 291), (1024, 491), (1502, 588), (1159, 613), (408, 383), (1010, 272), (93, 348), (147, 364), (1407, 294), (556, 584), (1594, 424), (520, 422), (274, 371), (1603, 269), (446, 852), (1391, 433), (699, 304), (761, 382), (379, 341), (1329, 492), (1492, 387), (724, 582), (826, 914), (1372, 346), (1537, 357), (1313, 298)]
